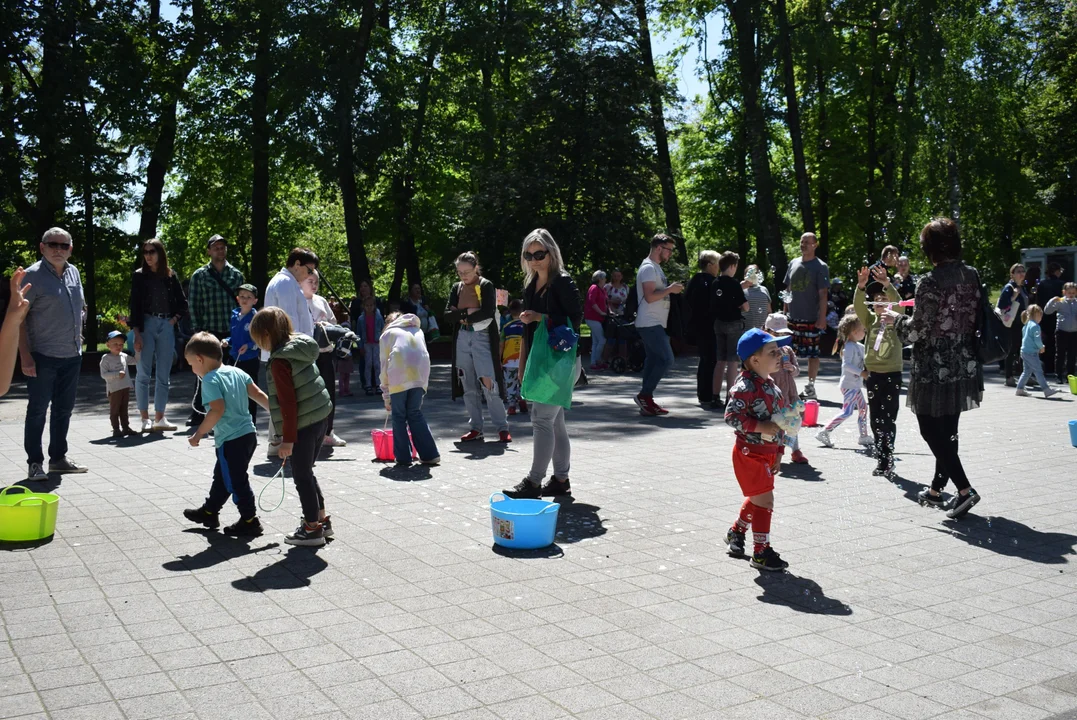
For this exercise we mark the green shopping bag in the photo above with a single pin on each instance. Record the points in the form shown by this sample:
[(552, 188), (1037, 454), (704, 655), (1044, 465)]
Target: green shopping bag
[(549, 375)]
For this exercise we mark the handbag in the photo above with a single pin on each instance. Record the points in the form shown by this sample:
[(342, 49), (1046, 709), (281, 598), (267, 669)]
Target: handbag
[(993, 335), (1009, 315), (549, 375)]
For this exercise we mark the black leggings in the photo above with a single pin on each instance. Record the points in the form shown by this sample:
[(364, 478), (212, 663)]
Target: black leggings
[(1065, 354), (705, 372), (327, 368), (884, 400), (1014, 366), (304, 452), (940, 434)]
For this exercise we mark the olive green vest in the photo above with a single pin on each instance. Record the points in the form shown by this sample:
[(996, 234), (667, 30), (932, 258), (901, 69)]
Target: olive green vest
[(310, 393)]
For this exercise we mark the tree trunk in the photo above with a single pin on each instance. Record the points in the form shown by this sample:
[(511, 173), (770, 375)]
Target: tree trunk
[(955, 184), (792, 112), (741, 12), (350, 72), (164, 146), (51, 102), (740, 152), (661, 139), (266, 38), (873, 151), (824, 193), (89, 265), (908, 141)]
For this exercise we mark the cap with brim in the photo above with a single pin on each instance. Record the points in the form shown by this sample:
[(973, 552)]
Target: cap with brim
[(752, 340), (215, 239), (249, 288), (115, 334)]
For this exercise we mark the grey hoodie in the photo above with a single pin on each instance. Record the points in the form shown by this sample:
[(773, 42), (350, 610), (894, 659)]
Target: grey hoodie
[(1067, 313)]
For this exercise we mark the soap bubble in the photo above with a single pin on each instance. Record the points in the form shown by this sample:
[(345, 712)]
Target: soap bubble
[(826, 143), (860, 70), (828, 16), (867, 203), (884, 15), (718, 292)]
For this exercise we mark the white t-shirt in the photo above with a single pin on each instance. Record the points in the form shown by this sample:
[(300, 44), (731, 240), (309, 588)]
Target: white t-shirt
[(321, 311), (284, 292), (656, 313)]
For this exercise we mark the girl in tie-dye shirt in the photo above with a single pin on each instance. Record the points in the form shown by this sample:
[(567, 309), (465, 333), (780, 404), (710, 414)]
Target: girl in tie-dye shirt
[(405, 374)]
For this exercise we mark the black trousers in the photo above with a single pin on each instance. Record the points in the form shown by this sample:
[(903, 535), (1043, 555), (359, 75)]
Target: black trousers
[(708, 358), (327, 368), (1014, 365), (304, 452), (884, 401), (1065, 355), (251, 367), (230, 476), (1048, 325), (940, 434)]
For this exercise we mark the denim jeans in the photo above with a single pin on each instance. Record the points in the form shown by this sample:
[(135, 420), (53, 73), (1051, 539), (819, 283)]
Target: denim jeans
[(1033, 366), (158, 347), (598, 340), (474, 361), (56, 383), (230, 476), (407, 410), (659, 356)]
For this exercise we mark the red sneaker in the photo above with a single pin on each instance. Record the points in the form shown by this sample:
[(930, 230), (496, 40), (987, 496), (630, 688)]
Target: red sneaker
[(504, 436), (523, 406), (512, 411), (471, 436), (644, 403), (798, 458), (658, 409)]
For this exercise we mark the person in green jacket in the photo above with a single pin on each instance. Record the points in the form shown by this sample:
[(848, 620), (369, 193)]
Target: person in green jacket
[(882, 360), (299, 405)]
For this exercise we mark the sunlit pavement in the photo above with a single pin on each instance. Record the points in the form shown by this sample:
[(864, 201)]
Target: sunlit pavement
[(888, 610)]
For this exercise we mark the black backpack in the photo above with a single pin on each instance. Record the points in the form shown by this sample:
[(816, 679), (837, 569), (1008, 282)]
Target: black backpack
[(994, 336), (631, 305)]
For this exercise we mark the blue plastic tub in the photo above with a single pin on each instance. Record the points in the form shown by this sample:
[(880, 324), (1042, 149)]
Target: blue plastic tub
[(523, 524), (1073, 432)]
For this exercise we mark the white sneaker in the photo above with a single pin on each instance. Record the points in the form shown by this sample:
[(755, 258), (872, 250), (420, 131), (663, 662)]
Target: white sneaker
[(809, 392), (1021, 392), (824, 438), (162, 425), (334, 440), (271, 451), (867, 441), (1049, 391), (147, 425)]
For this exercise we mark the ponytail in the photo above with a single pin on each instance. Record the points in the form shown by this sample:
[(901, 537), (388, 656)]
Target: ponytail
[(846, 325)]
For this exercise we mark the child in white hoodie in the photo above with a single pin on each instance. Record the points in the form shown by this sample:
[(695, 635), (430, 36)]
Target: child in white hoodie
[(405, 375)]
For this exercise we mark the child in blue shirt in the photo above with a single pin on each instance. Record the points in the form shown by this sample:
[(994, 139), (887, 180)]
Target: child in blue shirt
[(225, 392), (245, 354), (369, 327), (1031, 348)]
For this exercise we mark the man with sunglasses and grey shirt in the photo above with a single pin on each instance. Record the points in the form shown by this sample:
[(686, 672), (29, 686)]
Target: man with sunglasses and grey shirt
[(50, 348)]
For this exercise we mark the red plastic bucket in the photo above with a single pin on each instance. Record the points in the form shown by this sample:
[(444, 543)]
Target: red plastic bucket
[(383, 445), (811, 413)]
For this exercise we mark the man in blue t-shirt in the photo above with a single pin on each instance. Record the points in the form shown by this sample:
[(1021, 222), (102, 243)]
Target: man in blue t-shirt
[(225, 391)]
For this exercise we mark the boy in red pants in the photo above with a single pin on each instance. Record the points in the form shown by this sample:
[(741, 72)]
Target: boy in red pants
[(757, 452)]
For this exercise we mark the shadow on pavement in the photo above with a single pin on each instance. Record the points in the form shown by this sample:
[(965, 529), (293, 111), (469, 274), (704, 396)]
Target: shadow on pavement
[(293, 571), (910, 487), (1011, 538), (801, 472), (15, 545), (798, 593), (474, 450), (577, 521), (548, 552), (221, 548), (406, 473)]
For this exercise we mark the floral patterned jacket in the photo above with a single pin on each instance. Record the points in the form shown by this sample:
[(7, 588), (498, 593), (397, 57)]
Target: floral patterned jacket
[(753, 400), (946, 376)]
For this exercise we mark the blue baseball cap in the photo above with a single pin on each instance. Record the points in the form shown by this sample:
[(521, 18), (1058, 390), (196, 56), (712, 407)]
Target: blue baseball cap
[(753, 339), (116, 334)]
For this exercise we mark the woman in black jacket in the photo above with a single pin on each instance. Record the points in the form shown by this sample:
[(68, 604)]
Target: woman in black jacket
[(549, 294), (157, 304), (476, 343)]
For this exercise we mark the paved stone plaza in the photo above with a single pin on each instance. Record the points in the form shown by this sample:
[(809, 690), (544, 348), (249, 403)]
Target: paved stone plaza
[(889, 610)]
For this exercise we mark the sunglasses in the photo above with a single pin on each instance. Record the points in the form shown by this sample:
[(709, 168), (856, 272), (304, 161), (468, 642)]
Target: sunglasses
[(539, 255), (58, 246), (149, 251)]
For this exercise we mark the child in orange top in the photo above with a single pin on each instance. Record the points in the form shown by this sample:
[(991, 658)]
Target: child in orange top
[(753, 400)]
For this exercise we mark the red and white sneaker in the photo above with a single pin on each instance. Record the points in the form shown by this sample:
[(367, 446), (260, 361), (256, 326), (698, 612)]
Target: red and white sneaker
[(472, 436), (512, 410), (658, 409), (523, 406), (798, 458), (504, 436), (644, 403)]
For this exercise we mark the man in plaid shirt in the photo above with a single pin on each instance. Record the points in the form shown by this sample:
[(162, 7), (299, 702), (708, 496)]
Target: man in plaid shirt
[(212, 297)]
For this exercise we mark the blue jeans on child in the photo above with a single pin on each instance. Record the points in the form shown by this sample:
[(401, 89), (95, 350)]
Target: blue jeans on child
[(56, 384), (407, 410), (158, 347), (1033, 365), (659, 356)]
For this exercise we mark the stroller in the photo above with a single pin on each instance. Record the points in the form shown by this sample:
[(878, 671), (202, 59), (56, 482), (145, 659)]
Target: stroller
[(625, 330)]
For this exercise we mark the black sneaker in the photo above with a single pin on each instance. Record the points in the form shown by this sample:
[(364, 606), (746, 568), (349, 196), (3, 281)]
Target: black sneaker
[(717, 403), (327, 526), (117, 434), (556, 488), (195, 419), (306, 536), (735, 541), (884, 468), (203, 517), (524, 490), (926, 498), (768, 560), (245, 528), (960, 504)]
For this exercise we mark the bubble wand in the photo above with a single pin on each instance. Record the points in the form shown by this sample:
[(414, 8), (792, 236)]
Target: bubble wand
[(889, 306)]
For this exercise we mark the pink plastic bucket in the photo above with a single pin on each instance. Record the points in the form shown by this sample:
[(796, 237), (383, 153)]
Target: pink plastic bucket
[(811, 413), (383, 445)]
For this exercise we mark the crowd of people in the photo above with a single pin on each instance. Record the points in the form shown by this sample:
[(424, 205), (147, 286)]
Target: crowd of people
[(527, 361)]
